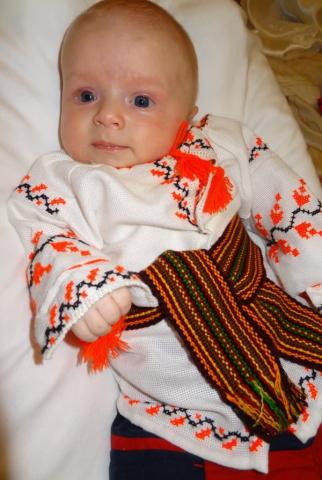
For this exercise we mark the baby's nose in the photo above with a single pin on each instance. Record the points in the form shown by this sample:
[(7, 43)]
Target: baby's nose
[(109, 114)]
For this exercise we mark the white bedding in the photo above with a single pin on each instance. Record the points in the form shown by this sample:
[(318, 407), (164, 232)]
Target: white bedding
[(57, 416)]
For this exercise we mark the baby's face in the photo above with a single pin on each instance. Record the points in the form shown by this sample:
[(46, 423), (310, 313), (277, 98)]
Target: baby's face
[(124, 95)]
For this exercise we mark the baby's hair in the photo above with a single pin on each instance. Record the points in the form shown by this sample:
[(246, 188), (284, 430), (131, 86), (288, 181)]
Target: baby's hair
[(148, 15)]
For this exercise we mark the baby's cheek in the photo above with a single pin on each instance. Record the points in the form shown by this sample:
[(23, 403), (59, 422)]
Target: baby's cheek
[(159, 145)]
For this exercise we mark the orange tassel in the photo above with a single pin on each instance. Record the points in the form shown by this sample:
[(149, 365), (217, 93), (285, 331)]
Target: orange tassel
[(219, 194), (191, 166), (97, 353)]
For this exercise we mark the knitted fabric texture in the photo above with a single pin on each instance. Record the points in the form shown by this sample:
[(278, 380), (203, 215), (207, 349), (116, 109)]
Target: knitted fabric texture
[(235, 322)]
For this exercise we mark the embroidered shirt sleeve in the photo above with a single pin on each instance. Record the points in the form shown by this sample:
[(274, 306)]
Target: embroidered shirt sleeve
[(66, 274), (289, 218)]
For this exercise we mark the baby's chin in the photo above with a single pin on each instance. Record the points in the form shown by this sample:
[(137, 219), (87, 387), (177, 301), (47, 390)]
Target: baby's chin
[(116, 164), (101, 160), (114, 157), (119, 161)]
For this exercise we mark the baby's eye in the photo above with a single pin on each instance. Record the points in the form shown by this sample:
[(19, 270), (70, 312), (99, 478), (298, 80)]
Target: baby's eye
[(142, 101), (86, 96)]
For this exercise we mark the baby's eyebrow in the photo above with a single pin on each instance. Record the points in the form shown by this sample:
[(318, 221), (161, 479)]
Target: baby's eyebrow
[(140, 77), (149, 83), (147, 78), (79, 72), (82, 76), (126, 77)]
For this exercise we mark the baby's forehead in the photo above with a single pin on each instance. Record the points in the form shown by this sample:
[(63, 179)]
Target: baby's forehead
[(157, 32), (124, 23), (125, 37)]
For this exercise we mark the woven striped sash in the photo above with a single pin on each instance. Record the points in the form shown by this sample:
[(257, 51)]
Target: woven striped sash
[(236, 323)]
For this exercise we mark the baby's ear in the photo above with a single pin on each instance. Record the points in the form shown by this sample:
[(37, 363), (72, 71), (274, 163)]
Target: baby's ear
[(192, 113)]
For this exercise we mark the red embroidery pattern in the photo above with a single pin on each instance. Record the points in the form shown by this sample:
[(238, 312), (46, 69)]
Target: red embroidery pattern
[(308, 384), (192, 144), (180, 194), (39, 271), (58, 246), (75, 293), (203, 427), (59, 243), (196, 145), (257, 149), (36, 194), (303, 228)]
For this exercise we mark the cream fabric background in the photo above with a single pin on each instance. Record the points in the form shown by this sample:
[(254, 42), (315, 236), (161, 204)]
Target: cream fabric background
[(291, 34)]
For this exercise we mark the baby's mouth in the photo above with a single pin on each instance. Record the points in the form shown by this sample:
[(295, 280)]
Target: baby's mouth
[(108, 146)]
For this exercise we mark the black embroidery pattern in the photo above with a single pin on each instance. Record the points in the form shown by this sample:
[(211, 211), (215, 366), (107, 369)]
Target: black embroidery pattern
[(166, 173), (35, 193), (307, 379), (62, 311), (315, 210), (196, 146), (75, 293), (204, 427), (255, 151), (49, 242), (201, 423)]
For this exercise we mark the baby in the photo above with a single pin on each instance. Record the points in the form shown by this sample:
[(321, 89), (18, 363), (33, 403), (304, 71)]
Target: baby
[(143, 208), (117, 99)]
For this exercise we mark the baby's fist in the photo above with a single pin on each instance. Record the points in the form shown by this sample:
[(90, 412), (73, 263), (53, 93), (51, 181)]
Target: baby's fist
[(98, 320)]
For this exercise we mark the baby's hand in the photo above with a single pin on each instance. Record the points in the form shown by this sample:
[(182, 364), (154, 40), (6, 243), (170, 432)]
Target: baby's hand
[(98, 320)]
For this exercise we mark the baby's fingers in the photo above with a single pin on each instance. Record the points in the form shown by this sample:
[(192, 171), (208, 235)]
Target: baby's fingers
[(96, 322), (122, 298), (109, 309), (81, 330)]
